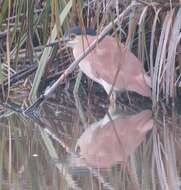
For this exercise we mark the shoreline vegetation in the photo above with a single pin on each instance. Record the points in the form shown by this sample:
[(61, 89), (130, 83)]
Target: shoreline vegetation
[(37, 142), (33, 52)]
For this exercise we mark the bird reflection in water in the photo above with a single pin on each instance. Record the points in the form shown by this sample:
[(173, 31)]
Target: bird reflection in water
[(106, 143)]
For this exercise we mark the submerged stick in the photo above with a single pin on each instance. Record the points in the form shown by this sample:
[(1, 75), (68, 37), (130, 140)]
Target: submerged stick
[(70, 69)]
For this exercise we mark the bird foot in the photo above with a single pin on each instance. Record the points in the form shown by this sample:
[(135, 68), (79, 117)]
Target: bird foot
[(112, 105)]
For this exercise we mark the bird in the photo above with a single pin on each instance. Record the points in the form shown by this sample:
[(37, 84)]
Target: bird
[(110, 64), (126, 133)]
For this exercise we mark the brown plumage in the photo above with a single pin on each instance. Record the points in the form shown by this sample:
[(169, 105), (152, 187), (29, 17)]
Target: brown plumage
[(105, 143), (108, 58)]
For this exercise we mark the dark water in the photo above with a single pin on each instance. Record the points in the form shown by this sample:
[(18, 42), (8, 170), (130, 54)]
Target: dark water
[(67, 147)]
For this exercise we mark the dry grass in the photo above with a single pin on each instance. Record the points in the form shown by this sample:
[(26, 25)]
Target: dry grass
[(152, 29), (30, 34)]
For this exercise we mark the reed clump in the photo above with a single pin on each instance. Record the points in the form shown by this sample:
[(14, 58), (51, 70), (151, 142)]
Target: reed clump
[(32, 50)]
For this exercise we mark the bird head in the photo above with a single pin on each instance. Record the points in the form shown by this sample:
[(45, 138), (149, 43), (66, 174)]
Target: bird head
[(71, 35)]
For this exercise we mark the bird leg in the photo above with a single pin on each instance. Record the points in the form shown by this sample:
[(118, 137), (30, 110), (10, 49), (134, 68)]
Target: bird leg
[(77, 99), (112, 105)]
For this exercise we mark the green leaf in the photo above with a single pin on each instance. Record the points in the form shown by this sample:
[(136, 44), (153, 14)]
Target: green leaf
[(47, 51)]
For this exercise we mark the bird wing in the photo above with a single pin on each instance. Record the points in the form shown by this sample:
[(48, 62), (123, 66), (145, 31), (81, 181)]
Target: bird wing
[(111, 60)]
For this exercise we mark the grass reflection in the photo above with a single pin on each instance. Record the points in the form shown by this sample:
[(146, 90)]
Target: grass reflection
[(37, 152)]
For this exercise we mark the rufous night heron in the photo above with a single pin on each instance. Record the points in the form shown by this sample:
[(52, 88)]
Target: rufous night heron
[(110, 64)]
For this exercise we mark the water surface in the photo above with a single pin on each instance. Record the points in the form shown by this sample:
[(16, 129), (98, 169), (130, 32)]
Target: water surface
[(67, 147)]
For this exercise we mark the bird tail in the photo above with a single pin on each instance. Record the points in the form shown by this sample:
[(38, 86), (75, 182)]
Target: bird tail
[(142, 85)]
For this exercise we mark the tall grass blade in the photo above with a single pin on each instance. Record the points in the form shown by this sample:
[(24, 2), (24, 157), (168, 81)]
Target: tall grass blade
[(141, 35), (161, 58), (47, 52), (152, 41), (3, 11), (170, 75)]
